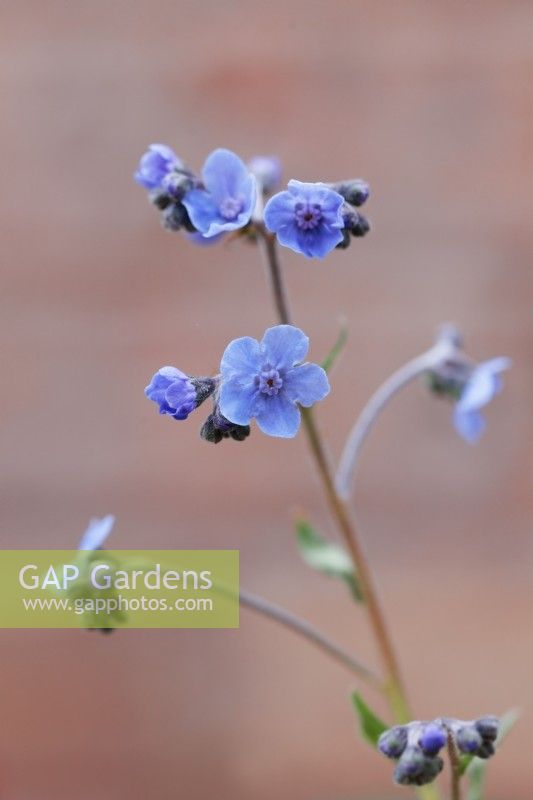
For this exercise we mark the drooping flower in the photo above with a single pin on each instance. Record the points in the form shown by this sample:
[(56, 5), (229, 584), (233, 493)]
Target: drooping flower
[(97, 532), (176, 393), (267, 170), (483, 383), (266, 381), (227, 199), (155, 165), (307, 217)]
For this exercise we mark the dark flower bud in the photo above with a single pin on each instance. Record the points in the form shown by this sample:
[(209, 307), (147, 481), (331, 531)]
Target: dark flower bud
[(486, 750), (361, 227), (414, 768), (432, 739), (393, 742), (468, 739), (177, 184), (160, 198), (346, 240), (355, 192), (488, 727), (216, 427), (175, 217)]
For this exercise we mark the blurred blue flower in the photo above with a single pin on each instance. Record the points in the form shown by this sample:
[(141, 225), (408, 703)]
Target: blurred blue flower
[(154, 166), (265, 380), (97, 532), (173, 391), (307, 218), (482, 385), (267, 170), (227, 200)]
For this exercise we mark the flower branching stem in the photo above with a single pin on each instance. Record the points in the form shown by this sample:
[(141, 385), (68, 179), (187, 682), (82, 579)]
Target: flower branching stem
[(392, 686), (303, 628), (445, 348)]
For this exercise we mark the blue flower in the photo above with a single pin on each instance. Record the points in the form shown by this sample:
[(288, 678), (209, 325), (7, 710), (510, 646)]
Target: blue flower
[(265, 380), (154, 166), (173, 391), (307, 218), (267, 170), (227, 200), (176, 393), (482, 385), (97, 532)]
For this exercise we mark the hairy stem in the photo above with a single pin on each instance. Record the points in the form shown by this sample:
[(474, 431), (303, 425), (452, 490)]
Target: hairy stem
[(455, 769), (393, 686), (442, 350), (303, 628)]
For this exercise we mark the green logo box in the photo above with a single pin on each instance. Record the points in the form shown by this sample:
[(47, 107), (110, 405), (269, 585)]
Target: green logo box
[(119, 589)]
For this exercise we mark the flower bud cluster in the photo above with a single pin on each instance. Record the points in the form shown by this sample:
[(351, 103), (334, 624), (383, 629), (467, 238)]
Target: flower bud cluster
[(416, 745), (355, 194)]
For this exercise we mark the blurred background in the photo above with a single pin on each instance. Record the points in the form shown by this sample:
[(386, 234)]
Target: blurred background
[(432, 104)]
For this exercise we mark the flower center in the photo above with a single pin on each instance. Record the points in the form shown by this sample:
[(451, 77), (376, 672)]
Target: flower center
[(308, 215), (230, 207), (269, 381)]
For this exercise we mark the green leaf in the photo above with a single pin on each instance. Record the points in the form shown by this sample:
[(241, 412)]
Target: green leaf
[(371, 725), (476, 768), (326, 557), (337, 348)]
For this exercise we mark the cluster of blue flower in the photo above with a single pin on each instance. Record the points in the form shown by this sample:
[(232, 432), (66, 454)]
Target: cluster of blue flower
[(265, 381), (416, 746), (309, 218)]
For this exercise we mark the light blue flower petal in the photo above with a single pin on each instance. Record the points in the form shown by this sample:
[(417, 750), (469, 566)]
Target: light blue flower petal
[(202, 211), (284, 346), (279, 212), (318, 243), (242, 357), (97, 532), (204, 241), (225, 175), (306, 384), (277, 416), (483, 384), (237, 401), (468, 424)]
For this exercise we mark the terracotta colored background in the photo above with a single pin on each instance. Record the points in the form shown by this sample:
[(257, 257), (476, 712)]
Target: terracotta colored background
[(431, 102)]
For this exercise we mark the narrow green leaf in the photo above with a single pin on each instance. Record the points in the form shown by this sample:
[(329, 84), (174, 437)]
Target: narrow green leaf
[(371, 725), (337, 348), (476, 768), (326, 557)]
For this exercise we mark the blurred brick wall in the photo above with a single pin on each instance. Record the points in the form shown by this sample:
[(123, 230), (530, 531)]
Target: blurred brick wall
[(432, 104)]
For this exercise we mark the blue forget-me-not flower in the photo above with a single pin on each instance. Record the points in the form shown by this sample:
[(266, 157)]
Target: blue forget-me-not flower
[(267, 381), (307, 217), (97, 532), (483, 383), (227, 198)]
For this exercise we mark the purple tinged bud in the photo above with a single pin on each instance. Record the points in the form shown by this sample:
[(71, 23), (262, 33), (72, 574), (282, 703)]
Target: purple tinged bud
[(468, 739), (432, 739), (217, 427), (393, 742), (176, 393), (411, 765), (488, 727), (355, 192)]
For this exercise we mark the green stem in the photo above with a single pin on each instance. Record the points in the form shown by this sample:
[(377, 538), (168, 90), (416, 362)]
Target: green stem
[(392, 687)]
